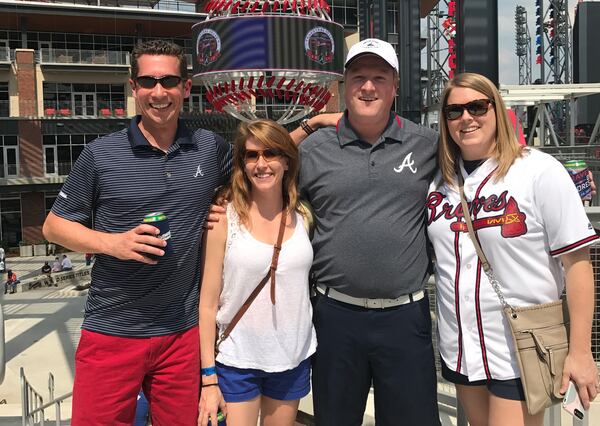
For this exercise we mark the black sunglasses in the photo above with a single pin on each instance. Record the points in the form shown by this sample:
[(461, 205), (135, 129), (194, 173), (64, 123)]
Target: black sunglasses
[(252, 156), (166, 81), (476, 108)]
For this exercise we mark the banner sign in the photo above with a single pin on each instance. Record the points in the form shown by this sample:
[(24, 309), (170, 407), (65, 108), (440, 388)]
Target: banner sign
[(262, 43)]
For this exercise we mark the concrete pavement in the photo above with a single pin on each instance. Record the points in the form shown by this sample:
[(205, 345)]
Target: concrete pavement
[(42, 328)]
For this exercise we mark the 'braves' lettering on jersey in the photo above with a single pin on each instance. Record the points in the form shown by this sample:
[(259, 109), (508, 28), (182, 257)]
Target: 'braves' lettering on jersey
[(523, 221), (511, 220)]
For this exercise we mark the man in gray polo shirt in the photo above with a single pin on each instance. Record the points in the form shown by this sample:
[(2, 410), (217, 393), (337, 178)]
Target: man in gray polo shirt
[(367, 181)]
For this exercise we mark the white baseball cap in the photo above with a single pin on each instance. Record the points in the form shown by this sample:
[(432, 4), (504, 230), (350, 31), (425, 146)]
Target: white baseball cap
[(376, 47)]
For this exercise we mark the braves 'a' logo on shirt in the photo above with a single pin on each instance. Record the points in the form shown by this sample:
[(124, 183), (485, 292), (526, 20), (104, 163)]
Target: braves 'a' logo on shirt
[(510, 219)]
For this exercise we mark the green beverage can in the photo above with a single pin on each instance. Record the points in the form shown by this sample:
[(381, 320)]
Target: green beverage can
[(160, 221), (220, 419), (579, 172)]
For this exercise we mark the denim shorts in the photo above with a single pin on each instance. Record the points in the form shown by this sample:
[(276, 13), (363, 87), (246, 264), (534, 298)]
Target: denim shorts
[(244, 384), (507, 389)]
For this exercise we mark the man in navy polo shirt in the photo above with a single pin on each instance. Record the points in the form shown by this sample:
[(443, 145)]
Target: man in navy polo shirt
[(141, 317), (367, 180)]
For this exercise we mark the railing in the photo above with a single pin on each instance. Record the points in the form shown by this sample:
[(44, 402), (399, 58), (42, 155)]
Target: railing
[(32, 402), (78, 56), (163, 5), (61, 109)]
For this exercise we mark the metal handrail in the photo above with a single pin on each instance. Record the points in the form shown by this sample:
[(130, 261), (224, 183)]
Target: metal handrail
[(2, 341), (32, 402)]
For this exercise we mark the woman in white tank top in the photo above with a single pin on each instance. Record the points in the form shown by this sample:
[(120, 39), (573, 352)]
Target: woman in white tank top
[(263, 365)]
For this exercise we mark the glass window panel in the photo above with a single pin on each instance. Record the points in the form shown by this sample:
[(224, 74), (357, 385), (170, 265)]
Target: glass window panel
[(10, 140), (49, 87), (75, 152), (2, 175), (102, 88), (44, 36), (11, 228), (89, 138), (50, 100), (50, 160), (117, 89), (64, 160), (11, 161), (64, 87), (49, 201), (103, 100), (338, 14), (62, 139), (49, 140), (10, 205), (77, 139)]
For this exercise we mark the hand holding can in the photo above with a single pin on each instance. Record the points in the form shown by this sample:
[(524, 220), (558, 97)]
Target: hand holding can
[(160, 221)]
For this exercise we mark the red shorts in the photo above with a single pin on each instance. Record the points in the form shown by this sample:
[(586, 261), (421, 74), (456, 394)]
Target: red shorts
[(111, 370)]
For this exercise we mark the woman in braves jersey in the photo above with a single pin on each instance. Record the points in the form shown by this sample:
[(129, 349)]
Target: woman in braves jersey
[(533, 228)]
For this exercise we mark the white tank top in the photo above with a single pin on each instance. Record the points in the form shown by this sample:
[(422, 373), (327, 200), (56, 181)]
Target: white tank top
[(269, 337)]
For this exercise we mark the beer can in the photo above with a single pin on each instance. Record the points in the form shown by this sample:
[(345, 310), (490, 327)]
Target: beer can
[(220, 419), (579, 172), (160, 221)]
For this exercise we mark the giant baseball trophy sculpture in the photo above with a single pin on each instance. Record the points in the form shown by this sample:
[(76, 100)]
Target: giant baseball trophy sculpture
[(261, 58)]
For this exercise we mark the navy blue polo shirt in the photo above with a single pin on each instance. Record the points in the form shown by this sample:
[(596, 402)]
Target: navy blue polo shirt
[(369, 207), (117, 180)]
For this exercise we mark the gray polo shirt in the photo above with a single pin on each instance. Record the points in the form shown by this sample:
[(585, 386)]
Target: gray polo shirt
[(369, 203)]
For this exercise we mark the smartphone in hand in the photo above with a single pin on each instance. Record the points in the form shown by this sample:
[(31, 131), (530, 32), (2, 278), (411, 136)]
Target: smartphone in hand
[(571, 402)]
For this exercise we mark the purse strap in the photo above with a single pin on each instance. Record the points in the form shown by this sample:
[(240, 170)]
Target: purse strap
[(487, 268), (270, 274)]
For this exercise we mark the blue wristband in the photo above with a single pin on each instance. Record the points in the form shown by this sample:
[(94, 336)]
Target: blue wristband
[(208, 371)]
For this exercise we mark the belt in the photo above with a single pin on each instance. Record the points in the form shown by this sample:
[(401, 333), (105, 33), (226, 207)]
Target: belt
[(370, 303)]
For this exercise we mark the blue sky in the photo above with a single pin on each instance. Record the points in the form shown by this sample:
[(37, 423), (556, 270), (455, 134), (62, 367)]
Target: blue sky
[(508, 61)]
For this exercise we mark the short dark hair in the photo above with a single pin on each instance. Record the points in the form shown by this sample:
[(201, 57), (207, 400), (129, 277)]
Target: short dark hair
[(158, 47)]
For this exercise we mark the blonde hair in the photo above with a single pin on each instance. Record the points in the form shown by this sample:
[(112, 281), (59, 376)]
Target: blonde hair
[(506, 149), (271, 135)]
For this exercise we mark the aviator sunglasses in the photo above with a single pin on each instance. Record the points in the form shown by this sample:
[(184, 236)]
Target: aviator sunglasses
[(476, 108), (166, 81), (270, 154)]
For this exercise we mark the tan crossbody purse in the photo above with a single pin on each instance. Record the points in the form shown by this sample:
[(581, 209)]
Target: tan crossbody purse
[(540, 334)]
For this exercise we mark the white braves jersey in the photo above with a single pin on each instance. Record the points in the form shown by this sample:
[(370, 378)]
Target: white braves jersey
[(524, 222)]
